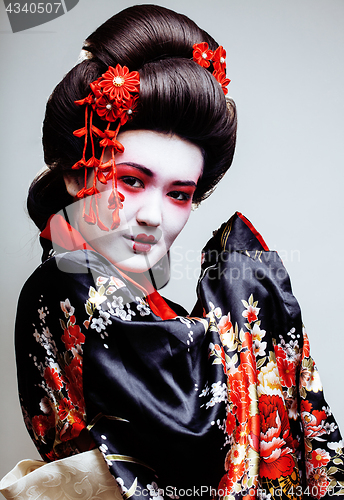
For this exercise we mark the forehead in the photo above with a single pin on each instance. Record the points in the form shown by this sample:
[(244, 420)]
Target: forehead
[(165, 155)]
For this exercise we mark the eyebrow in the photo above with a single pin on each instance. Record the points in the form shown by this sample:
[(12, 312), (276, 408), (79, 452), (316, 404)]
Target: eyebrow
[(149, 173)]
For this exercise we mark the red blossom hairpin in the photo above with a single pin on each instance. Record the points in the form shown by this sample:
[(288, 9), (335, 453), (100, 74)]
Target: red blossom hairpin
[(114, 98), (203, 56)]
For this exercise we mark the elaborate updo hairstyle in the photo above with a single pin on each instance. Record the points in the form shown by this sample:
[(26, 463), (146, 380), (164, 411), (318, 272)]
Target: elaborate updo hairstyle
[(176, 96)]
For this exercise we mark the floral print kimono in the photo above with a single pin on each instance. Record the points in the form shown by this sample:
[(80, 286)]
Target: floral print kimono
[(223, 403)]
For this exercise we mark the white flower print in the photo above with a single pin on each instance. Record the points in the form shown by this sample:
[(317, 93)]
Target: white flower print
[(218, 391), (46, 341), (116, 308), (185, 321), (154, 491), (327, 410), (338, 446), (45, 405), (104, 316), (46, 332), (291, 349), (117, 302), (97, 324), (330, 427), (120, 483), (204, 392), (142, 306), (252, 311), (101, 280), (263, 495), (67, 308), (42, 314), (103, 448), (269, 381), (314, 382)]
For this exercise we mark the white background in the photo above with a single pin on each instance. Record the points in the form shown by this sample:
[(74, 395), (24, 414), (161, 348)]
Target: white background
[(285, 59)]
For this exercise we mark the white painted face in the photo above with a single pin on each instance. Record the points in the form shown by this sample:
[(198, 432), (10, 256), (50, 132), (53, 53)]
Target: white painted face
[(157, 174)]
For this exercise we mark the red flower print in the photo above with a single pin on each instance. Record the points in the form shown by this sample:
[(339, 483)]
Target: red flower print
[(320, 457), (230, 423), (225, 324), (318, 482), (306, 347), (286, 368), (202, 55), (246, 339), (52, 379), (275, 439), (74, 383), (73, 426), (280, 353), (51, 456), (220, 353), (116, 282), (239, 395), (254, 424), (236, 471), (101, 280), (219, 59), (313, 422), (251, 313), (222, 79), (72, 337), (305, 377), (241, 433), (65, 407), (225, 486), (248, 364), (118, 82), (42, 423), (226, 331)]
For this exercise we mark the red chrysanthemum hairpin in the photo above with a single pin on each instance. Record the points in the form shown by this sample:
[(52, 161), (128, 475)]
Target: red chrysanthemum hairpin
[(203, 56), (114, 98)]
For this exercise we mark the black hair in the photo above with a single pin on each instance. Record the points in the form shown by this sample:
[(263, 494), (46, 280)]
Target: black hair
[(176, 96)]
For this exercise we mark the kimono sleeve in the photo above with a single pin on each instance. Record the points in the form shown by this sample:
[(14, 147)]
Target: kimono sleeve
[(285, 439), (49, 339)]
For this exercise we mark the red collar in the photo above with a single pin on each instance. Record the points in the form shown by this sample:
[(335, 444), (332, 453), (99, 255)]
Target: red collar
[(60, 232)]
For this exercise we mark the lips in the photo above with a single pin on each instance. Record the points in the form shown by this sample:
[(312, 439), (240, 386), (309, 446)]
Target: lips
[(144, 238), (142, 243)]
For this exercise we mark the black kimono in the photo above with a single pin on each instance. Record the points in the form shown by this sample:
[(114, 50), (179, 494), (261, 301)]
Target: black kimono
[(225, 402)]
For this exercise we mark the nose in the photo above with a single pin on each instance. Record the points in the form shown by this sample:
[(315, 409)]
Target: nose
[(150, 212)]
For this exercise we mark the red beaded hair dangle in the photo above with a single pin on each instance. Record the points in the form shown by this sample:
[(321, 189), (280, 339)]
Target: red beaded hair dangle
[(114, 98)]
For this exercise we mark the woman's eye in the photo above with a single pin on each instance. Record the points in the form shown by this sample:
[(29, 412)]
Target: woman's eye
[(179, 195), (132, 182)]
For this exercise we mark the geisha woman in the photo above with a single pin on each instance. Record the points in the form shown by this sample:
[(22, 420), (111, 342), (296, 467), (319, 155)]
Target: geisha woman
[(124, 392)]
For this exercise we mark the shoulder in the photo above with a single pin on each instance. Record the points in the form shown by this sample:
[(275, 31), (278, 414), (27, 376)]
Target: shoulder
[(67, 275), (64, 268)]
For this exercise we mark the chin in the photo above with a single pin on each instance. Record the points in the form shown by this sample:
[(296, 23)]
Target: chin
[(138, 263)]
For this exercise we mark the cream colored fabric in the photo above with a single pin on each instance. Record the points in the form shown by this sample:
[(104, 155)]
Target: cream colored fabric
[(80, 477)]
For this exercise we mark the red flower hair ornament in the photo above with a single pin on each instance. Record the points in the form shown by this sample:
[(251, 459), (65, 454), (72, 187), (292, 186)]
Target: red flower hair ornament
[(113, 97), (203, 56)]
